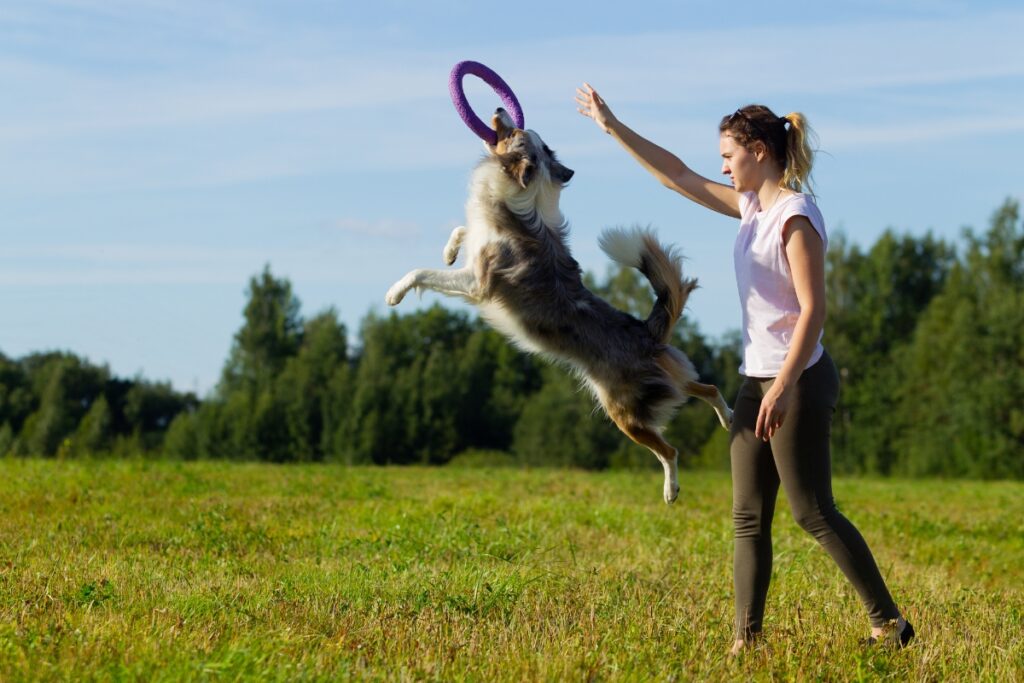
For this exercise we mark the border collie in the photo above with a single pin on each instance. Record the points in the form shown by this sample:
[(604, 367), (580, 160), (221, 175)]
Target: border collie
[(520, 275)]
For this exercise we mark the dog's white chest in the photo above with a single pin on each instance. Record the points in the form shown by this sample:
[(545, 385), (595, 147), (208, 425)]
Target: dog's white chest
[(498, 317)]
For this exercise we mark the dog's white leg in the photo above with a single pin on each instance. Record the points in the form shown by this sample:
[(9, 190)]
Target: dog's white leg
[(725, 416), (667, 455), (713, 397), (671, 467), (451, 250), (460, 282)]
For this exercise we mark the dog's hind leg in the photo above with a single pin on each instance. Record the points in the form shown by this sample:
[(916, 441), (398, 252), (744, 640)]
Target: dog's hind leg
[(451, 250), (460, 282), (680, 370), (668, 455), (711, 395)]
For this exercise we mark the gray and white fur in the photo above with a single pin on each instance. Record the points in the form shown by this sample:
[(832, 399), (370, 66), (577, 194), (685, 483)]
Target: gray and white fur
[(525, 283)]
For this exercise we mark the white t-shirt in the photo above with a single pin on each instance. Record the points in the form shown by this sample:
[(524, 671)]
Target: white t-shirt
[(767, 295)]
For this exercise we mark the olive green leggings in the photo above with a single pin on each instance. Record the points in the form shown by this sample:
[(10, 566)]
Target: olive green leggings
[(798, 456)]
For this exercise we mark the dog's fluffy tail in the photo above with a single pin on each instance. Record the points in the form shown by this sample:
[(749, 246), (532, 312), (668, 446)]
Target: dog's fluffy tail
[(662, 266)]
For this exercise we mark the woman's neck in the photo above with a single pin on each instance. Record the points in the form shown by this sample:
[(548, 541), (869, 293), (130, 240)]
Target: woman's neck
[(770, 192)]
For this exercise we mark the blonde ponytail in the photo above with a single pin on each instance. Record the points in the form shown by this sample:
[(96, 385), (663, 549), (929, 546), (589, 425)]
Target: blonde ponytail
[(796, 174)]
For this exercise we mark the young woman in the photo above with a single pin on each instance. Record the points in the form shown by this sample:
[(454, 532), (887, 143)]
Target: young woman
[(783, 413)]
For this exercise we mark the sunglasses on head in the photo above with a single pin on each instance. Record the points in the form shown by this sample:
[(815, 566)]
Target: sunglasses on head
[(739, 114)]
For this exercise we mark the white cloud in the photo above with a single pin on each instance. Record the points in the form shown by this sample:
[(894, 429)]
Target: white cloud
[(685, 67), (273, 104)]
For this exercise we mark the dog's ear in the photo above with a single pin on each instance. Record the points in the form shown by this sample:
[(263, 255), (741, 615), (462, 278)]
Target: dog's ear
[(521, 169), (561, 173), (525, 172)]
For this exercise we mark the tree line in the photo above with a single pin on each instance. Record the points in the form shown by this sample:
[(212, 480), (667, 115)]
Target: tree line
[(926, 334)]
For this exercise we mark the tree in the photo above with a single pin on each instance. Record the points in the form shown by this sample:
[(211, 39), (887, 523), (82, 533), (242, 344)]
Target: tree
[(306, 383), (562, 425), (150, 407), (259, 410), (6, 439), (495, 379), (93, 434), (182, 439), (65, 386), (960, 408), (874, 303), (405, 397), (59, 403), (271, 334), (16, 396)]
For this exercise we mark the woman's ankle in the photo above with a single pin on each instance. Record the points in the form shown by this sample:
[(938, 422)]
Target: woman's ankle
[(743, 644), (897, 624), (897, 633)]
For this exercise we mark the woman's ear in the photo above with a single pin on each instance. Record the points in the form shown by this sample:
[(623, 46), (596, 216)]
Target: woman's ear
[(759, 150)]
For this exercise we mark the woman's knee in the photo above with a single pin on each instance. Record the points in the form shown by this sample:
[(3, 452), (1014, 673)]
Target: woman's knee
[(813, 518), (748, 521)]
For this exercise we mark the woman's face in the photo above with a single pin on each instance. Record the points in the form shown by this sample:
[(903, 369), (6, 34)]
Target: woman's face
[(740, 164)]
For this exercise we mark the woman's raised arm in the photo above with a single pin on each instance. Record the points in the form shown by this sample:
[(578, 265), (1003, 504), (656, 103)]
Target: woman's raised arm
[(662, 164)]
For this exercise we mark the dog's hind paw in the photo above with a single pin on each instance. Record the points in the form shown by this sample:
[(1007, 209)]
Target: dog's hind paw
[(671, 492)]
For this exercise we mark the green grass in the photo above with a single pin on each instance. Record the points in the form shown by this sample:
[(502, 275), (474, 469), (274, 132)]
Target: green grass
[(218, 571)]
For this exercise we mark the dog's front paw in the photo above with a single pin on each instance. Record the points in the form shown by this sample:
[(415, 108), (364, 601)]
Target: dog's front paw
[(396, 293), (451, 250)]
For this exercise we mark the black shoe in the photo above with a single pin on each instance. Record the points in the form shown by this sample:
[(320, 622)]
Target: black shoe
[(892, 637)]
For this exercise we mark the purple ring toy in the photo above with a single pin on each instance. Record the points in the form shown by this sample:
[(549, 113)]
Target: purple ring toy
[(483, 131)]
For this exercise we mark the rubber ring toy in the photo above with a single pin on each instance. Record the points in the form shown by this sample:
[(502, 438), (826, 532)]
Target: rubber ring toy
[(466, 113)]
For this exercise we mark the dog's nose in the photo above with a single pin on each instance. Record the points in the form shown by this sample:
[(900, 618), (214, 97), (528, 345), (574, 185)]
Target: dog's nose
[(502, 124), (502, 116)]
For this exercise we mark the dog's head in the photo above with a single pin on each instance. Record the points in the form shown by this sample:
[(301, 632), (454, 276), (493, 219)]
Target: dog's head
[(523, 155)]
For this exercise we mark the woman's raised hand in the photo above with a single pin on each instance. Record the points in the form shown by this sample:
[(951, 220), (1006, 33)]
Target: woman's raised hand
[(590, 104)]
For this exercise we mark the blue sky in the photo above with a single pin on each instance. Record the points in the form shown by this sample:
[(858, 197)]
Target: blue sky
[(154, 155)]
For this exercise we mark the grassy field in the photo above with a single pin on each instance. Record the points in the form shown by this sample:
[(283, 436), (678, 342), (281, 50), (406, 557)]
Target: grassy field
[(218, 571)]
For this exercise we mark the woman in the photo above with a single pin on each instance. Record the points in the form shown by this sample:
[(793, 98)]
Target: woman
[(783, 413)]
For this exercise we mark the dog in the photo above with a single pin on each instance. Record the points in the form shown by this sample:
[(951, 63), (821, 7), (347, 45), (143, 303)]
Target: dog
[(525, 283)]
